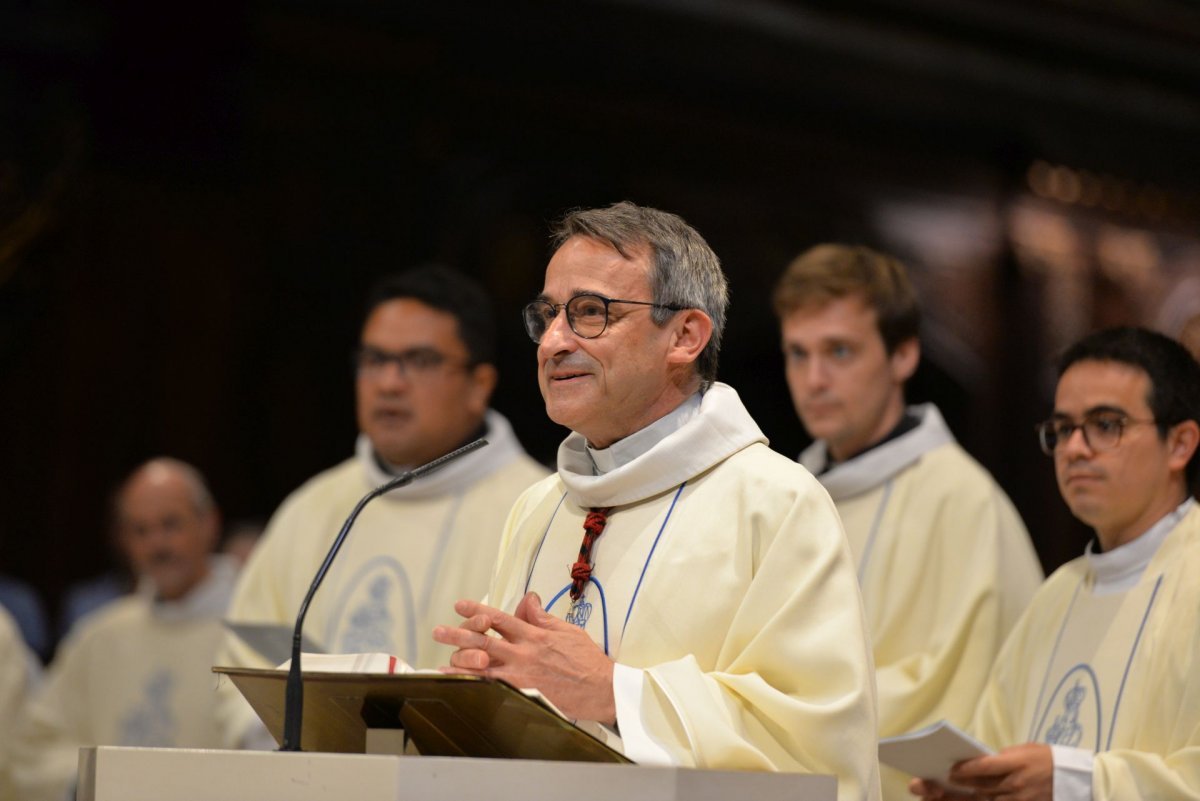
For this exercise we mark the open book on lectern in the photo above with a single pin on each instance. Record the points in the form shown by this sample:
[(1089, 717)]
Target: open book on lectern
[(441, 714)]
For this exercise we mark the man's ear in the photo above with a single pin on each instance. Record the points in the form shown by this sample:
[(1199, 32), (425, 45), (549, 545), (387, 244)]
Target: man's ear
[(1182, 441), (904, 360), (481, 381), (691, 330), (212, 527)]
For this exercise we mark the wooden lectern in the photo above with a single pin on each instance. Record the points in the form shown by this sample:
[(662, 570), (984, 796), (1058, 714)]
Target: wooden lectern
[(478, 738), (442, 715)]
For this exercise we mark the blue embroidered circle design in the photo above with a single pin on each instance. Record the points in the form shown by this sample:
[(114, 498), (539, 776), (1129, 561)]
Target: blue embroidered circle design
[(1077, 694), (581, 610), (363, 617)]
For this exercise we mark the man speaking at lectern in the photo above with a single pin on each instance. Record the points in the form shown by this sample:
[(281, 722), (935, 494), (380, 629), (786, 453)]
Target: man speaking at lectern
[(424, 375), (676, 581)]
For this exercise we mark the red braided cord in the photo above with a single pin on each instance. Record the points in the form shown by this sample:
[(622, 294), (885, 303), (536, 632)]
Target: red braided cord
[(581, 571)]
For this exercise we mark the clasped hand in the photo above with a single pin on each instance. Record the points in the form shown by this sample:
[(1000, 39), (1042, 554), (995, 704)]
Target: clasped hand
[(533, 650)]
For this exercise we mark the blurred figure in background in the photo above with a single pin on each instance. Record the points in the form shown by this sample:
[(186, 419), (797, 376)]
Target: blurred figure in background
[(22, 603), (241, 539), (86, 596), (424, 378), (945, 563), (18, 673), (138, 671)]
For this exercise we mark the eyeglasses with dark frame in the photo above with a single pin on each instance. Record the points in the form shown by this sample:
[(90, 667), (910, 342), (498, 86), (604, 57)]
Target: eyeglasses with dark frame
[(370, 362), (1102, 429), (587, 314)]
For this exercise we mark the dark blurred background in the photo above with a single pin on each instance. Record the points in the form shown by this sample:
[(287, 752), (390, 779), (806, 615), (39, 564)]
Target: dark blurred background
[(194, 199)]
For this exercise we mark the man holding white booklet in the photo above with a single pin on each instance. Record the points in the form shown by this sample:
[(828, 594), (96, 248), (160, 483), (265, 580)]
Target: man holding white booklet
[(1096, 694)]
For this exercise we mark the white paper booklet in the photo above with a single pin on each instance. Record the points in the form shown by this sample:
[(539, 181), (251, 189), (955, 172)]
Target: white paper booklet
[(929, 753)]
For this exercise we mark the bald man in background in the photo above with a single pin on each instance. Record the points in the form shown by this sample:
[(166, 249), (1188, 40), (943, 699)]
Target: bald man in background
[(137, 671)]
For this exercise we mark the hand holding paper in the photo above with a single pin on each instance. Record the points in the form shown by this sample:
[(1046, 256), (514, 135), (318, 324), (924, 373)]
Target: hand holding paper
[(950, 765), (931, 753), (1020, 772)]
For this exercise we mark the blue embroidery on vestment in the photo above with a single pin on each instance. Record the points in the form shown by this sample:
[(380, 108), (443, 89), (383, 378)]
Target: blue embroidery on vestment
[(1075, 706), (369, 626), (579, 613), (374, 609), (150, 722), (580, 618), (1065, 730)]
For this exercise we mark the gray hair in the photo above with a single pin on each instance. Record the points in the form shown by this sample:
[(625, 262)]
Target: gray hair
[(202, 497), (684, 270)]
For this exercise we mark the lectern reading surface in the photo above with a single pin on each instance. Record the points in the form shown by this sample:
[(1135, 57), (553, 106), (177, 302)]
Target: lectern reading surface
[(443, 715)]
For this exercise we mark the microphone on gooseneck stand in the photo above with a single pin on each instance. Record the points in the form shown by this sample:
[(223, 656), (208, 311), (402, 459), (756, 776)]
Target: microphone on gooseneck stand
[(293, 706)]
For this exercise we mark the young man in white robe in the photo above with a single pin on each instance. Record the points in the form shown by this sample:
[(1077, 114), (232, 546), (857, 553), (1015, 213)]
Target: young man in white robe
[(137, 671), (424, 377), (711, 616), (945, 563), (1096, 695)]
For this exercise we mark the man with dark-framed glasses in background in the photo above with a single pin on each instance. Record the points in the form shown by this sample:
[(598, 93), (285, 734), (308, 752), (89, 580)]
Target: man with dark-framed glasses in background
[(1096, 694), (424, 375)]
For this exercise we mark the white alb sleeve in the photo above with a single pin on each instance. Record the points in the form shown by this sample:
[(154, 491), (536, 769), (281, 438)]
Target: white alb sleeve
[(1072, 773), (639, 745)]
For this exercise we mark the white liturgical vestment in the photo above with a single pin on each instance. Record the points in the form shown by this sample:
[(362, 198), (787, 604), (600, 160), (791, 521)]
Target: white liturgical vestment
[(136, 672), (1106, 660), (412, 553), (722, 583), (17, 673), (946, 568)]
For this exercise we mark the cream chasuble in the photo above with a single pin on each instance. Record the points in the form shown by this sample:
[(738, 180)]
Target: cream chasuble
[(1111, 664), (136, 672), (723, 580), (411, 555), (945, 565), (17, 673)]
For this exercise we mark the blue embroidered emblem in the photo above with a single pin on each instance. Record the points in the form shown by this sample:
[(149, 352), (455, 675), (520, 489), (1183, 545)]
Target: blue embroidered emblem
[(149, 721), (579, 613), (1065, 730), (369, 627)]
